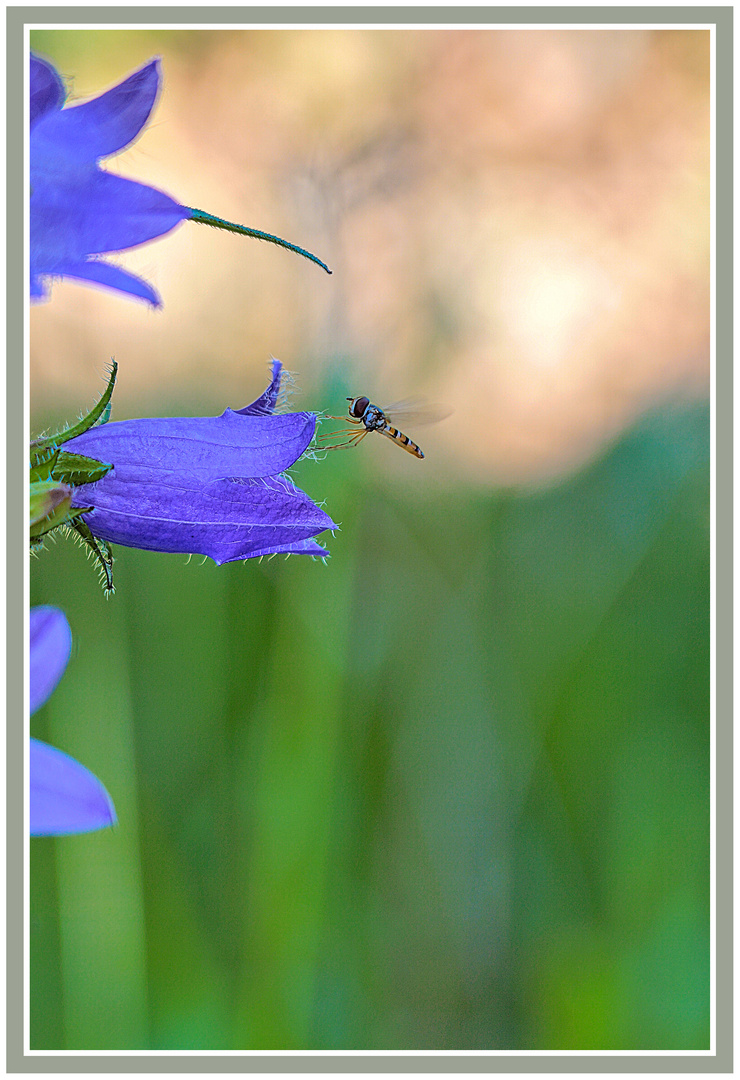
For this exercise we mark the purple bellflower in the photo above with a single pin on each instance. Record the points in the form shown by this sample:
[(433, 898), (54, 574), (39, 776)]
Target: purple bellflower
[(65, 796), (80, 212), (213, 486)]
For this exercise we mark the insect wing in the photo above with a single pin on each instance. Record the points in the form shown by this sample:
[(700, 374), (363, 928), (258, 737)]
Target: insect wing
[(416, 412)]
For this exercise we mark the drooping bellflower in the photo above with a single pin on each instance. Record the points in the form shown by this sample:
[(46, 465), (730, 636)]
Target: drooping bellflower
[(65, 796), (212, 486), (78, 210)]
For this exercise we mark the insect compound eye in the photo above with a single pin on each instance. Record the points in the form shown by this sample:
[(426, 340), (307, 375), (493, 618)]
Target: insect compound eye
[(358, 406)]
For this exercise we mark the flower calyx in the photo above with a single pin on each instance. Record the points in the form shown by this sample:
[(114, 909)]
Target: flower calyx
[(55, 473)]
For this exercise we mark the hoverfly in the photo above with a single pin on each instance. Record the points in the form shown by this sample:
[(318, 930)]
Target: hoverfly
[(371, 417)]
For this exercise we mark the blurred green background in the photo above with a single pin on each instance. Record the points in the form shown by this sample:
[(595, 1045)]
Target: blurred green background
[(450, 790)]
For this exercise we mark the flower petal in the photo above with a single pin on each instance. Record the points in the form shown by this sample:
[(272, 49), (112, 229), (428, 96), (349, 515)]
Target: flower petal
[(199, 449), (108, 123), (65, 796), (38, 290), (50, 648), (102, 273), (78, 210), (265, 403), (225, 519), (298, 547), (47, 89), (96, 213)]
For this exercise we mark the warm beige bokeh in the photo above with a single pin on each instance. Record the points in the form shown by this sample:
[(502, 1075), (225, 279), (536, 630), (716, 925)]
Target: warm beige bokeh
[(517, 220)]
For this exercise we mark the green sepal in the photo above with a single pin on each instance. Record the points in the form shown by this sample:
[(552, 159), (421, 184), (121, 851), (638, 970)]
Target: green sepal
[(54, 475), (42, 469), (50, 505), (101, 549), (99, 414), (76, 469)]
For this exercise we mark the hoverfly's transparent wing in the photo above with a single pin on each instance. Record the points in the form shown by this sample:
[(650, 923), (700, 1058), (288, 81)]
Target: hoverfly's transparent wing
[(416, 412)]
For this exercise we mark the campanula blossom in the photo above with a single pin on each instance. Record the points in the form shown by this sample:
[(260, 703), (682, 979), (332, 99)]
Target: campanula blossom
[(78, 210), (212, 486), (65, 796)]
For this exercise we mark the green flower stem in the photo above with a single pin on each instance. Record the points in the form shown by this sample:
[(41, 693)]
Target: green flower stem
[(101, 898), (203, 218), (294, 768)]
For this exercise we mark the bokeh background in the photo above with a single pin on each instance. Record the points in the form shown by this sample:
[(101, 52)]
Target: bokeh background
[(450, 790)]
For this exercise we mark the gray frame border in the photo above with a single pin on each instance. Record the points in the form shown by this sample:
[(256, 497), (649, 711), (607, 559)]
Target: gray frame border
[(722, 1060)]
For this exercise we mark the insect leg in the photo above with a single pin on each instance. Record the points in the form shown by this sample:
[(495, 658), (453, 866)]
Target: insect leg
[(354, 441), (342, 431)]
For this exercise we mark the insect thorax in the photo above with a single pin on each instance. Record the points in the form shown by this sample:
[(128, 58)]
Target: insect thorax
[(373, 418)]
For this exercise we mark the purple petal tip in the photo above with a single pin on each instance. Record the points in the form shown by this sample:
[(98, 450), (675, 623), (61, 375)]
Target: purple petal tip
[(66, 798), (50, 649)]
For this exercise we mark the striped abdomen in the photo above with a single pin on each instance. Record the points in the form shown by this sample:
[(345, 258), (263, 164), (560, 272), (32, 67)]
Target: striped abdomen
[(402, 440)]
